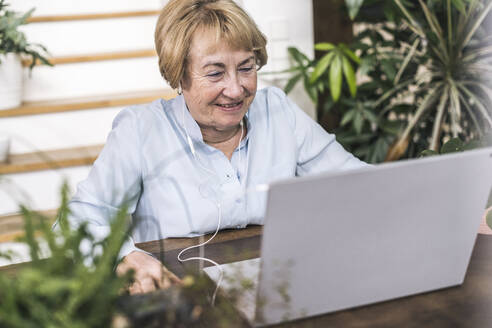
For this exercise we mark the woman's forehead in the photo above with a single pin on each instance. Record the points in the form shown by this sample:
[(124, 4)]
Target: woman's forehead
[(205, 47), (209, 42)]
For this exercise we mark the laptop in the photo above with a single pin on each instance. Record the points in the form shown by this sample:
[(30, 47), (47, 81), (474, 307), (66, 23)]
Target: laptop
[(342, 240)]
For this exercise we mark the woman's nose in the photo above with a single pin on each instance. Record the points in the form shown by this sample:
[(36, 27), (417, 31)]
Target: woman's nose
[(233, 88)]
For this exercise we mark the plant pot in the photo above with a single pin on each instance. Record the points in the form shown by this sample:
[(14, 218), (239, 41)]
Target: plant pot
[(10, 81), (4, 148)]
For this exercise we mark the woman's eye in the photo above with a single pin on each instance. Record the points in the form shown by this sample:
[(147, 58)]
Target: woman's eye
[(246, 69), (214, 74)]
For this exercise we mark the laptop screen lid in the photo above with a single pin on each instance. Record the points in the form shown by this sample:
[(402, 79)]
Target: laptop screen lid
[(346, 239)]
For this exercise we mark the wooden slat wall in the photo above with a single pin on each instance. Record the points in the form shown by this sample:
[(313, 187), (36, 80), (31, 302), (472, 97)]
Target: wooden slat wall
[(50, 160), (94, 57), (62, 18), (66, 105), (12, 226)]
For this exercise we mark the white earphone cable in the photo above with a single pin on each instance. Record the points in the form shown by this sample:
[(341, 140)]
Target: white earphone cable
[(219, 211), (258, 188), (221, 276)]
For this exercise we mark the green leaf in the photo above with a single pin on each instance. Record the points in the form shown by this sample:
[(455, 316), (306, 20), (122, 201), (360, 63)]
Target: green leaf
[(428, 152), (292, 83), (458, 4), (328, 105), (24, 17), (353, 7), (324, 46), (474, 144), (378, 152), (336, 78), (407, 60), (389, 13), (13, 40), (388, 69), (298, 56), (351, 138), (393, 127), (358, 122), (348, 116), (349, 53), (321, 67), (366, 65), (488, 219), (348, 71), (489, 202), (370, 116), (311, 90), (452, 146)]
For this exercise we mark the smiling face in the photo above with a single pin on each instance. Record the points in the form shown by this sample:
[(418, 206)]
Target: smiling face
[(220, 82)]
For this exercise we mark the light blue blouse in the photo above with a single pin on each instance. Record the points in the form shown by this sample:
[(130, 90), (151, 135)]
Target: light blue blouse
[(148, 162)]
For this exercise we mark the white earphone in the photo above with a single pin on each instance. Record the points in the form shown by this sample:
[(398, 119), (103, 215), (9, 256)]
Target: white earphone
[(260, 188), (219, 211)]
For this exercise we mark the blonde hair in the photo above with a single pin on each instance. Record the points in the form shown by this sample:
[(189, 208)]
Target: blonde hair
[(179, 20)]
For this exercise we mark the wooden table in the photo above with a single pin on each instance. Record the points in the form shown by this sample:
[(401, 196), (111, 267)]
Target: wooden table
[(469, 305)]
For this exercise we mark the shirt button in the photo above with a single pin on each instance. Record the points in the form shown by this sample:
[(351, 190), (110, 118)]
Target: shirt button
[(239, 200), (228, 176)]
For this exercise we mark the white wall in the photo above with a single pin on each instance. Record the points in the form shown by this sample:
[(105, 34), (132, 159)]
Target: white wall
[(94, 36), (285, 23), (57, 131)]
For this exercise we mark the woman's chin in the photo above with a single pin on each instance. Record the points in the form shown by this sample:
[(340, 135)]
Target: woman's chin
[(230, 119), (224, 125)]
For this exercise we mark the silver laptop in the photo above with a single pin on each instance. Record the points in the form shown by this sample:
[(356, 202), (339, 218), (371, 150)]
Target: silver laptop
[(342, 240)]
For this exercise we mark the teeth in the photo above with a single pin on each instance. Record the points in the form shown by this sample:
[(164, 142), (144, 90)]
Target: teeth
[(229, 105)]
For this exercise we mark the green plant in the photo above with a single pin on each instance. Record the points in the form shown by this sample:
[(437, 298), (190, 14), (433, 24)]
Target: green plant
[(14, 41), (73, 286), (452, 92), (420, 71), (325, 74), (362, 127), (71, 282), (337, 59), (367, 127), (454, 145)]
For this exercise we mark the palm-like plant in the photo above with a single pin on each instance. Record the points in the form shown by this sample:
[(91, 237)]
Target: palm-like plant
[(451, 87)]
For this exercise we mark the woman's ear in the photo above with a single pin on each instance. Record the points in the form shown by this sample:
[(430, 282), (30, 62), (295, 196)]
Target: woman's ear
[(184, 83)]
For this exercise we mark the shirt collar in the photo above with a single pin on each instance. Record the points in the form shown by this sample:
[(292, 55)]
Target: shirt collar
[(186, 121)]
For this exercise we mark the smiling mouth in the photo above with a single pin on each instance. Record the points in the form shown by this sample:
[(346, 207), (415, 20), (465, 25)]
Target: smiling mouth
[(231, 105)]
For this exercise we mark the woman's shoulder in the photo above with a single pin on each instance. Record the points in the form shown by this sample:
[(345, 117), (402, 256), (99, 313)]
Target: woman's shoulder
[(272, 103), (144, 114), (270, 94)]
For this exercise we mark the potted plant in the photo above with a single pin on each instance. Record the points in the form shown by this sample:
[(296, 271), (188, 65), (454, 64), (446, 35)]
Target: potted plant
[(422, 80), (13, 44)]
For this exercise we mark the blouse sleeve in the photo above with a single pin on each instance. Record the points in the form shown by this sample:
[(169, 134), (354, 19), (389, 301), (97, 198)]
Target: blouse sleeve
[(114, 179), (317, 150)]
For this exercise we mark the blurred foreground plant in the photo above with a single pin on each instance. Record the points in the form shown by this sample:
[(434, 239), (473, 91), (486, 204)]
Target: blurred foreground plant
[(71, 282), (75, 286)]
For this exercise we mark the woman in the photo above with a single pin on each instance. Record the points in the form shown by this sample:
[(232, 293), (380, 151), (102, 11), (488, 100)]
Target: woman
[(190, 164)]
